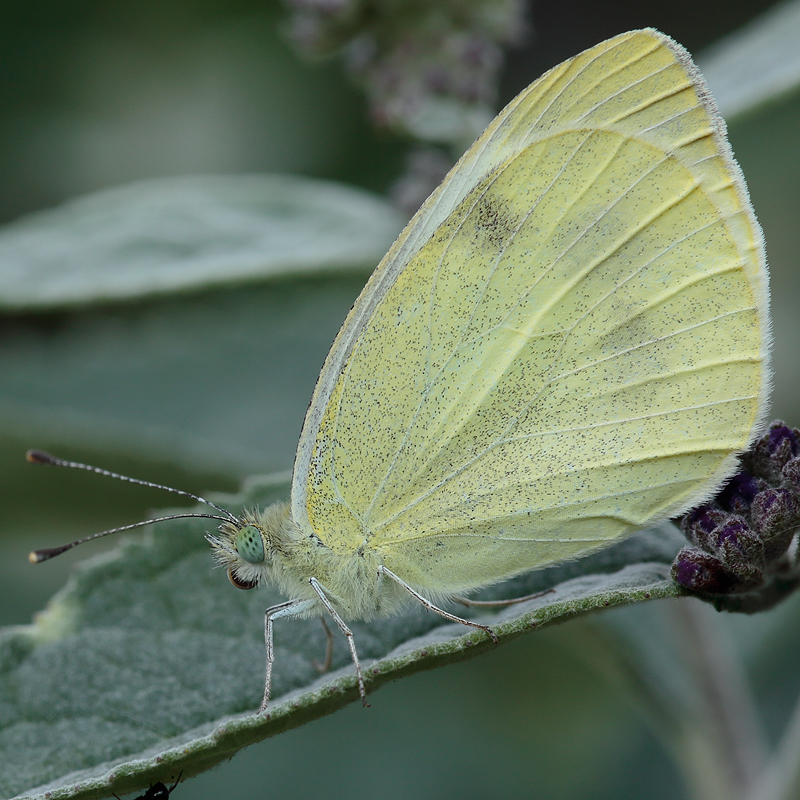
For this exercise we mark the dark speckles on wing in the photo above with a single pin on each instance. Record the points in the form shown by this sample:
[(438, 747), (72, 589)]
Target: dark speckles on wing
[(494, 223)]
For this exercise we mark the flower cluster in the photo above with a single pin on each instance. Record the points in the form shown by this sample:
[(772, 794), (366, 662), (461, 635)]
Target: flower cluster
[(430, 70), (743, 539)]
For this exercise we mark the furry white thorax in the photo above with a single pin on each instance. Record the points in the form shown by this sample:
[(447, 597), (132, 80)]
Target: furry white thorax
[(352, 582)]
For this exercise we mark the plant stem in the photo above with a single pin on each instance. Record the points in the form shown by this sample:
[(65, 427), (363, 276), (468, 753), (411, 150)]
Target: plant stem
[(737, 740), (781, 779)]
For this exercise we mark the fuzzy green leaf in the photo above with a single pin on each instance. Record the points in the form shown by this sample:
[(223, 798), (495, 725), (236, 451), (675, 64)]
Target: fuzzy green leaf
[(177, 234), (756, 63), (220, 379)]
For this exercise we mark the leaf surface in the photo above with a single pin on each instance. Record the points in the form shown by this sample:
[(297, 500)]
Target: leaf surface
[(177, 234)]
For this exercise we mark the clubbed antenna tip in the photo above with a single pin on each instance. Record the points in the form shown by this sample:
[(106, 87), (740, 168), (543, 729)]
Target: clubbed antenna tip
[(40, 457), (37, 556)]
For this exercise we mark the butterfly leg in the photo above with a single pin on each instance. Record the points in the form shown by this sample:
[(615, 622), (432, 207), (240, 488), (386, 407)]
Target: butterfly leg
[(291, 608), (465, 601), (318, 588), (431, 607), (326, 665)]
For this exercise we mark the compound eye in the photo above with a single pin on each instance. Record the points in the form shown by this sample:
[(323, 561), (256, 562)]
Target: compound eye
[(239, 583), (250, 544)]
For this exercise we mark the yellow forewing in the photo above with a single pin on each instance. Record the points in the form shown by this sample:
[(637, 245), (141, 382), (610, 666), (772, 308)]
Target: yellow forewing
[(568, 342)]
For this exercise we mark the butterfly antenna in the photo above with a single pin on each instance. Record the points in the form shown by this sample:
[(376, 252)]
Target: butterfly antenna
[(40, 457)]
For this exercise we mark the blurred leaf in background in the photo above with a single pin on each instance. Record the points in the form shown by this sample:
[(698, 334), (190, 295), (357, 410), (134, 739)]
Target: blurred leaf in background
[(201, 388)]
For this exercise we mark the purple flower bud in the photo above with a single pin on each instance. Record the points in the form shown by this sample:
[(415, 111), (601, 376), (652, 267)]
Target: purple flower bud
[(742, 536), (776, 516), (791, 475), (771, 452), (735, 535), (699, 525), (741, 551), (781, 437), (738, 493), (782, 448), (701, 572)]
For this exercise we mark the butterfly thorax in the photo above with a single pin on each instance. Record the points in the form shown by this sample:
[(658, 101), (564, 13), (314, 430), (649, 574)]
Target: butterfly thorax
[(268, 548)]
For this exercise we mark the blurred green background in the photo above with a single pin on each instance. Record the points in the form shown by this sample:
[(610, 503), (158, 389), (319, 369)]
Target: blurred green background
[(96, 94)]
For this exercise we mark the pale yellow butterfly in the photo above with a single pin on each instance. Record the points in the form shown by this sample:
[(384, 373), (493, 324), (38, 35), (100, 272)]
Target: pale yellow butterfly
[(568, 342)]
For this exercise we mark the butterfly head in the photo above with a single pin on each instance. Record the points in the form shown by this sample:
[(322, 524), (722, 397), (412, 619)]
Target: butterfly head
[(245, 547)]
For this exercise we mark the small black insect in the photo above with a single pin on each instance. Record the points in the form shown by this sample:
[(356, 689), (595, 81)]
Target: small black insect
[(157, 791)]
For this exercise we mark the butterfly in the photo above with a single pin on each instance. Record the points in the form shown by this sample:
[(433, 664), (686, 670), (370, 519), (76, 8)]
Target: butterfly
[(568, 342)]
